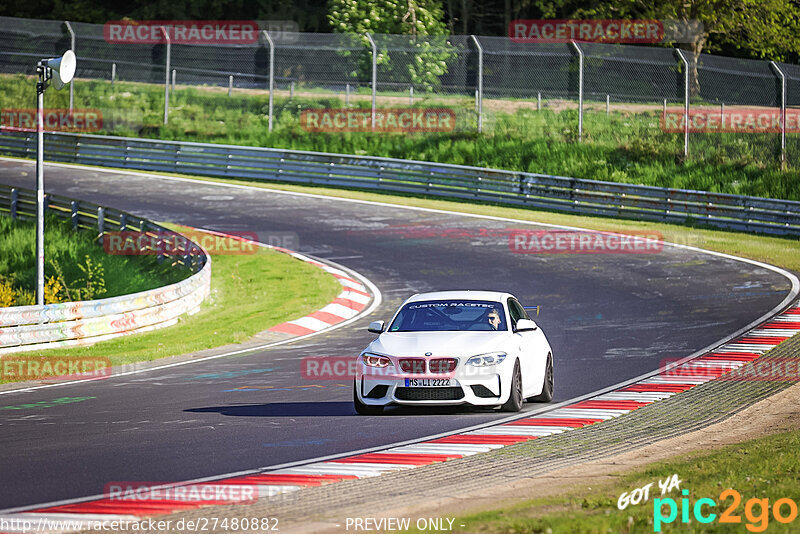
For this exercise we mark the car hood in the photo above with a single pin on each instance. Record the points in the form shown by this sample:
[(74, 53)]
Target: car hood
[(439, 343)]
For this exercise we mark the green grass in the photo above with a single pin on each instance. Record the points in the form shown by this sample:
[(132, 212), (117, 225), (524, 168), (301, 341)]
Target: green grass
[(69, 249), (625, 147), (251, 292), (764, 468)]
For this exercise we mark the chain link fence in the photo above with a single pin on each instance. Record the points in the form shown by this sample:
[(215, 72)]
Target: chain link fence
[(589, 92)]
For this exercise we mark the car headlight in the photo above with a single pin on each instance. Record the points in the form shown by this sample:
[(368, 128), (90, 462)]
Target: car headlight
[(483, 360), (375, 360)]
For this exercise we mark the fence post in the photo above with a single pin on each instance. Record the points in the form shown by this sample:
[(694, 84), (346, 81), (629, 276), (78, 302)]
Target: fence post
[(783, 109), (230, 85), (685, 102), (374, 76), (347, 95), (72, 47), (580, 89), (173, 79), (271, 73), (480, 82), (74, 214), (166, 75), (113, 73), (14, 200), (101, 223)]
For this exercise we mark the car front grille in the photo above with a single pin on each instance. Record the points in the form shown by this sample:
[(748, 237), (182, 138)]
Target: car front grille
[(423, 394), (412, 365), (443, 365)]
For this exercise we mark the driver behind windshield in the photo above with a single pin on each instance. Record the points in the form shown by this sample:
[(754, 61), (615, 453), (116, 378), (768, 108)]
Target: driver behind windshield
[(494, 319)]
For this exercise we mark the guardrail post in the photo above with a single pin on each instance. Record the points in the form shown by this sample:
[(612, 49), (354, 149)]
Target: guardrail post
[(374, 76), (73, 216), (101, 223), (271, 73), (783, 109), (480, 83), (580, 89), (166, 75), (123, 222), (14, 201), (685, 102), (71, 47)]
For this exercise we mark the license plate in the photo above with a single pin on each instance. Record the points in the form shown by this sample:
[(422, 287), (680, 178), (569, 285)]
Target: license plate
[(427, 382)]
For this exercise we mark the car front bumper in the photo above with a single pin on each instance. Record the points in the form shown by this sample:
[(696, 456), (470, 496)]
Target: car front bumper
[(484, 390)]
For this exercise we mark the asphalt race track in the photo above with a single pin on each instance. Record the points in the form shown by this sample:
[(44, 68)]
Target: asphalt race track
[(608, 317)]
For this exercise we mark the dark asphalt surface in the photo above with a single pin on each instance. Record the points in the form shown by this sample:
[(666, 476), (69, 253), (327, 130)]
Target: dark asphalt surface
[(608, 317)]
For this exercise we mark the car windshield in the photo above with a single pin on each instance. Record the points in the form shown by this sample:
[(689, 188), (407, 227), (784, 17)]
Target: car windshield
[(449, 315)]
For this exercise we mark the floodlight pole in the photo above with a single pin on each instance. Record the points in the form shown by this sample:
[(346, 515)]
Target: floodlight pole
[(686, 99), (480, 82), (71, 47), (166, 75), (580, 89), (783, 109), (374, 75), (271, 74), (41, 70)]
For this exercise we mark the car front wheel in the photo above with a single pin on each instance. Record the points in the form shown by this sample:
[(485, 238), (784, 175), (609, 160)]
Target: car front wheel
[(549, 384), (514, 402), (364, 409)]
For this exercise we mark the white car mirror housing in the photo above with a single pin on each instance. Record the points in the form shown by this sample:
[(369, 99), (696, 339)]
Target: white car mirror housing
[(524, 325), (376, 327)]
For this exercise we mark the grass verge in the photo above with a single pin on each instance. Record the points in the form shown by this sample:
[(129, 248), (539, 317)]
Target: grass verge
[(626, 146), (252, 292), (75, 259), (764, 468)]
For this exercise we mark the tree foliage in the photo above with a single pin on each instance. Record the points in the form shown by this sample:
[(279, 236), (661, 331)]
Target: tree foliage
[(419, 52), (762, 28)]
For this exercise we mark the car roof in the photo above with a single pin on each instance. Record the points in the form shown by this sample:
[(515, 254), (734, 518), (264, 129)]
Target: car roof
[(467, 294)]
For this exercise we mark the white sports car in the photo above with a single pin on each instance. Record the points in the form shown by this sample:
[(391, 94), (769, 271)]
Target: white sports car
[(455, 347)]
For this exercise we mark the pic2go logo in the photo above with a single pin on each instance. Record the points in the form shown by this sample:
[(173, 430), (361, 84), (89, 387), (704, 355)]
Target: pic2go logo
[(756, 511)]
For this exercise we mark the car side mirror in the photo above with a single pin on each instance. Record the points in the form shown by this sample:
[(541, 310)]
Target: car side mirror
[(525, 325), (376, 327)]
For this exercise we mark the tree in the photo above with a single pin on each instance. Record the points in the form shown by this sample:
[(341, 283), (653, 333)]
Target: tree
[(418, 57), (761, 28)]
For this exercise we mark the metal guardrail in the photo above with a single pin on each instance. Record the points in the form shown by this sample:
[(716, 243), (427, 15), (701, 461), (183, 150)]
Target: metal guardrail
[(573, 195), (25, 328)]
